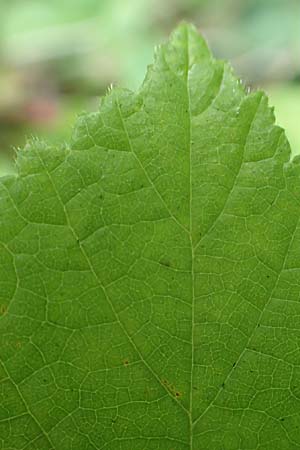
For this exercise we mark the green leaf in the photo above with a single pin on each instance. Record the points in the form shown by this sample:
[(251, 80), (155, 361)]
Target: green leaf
[(149, 272)]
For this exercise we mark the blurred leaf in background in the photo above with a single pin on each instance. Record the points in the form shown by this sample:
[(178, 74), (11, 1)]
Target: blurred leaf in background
[(58, 57), (286, 98)]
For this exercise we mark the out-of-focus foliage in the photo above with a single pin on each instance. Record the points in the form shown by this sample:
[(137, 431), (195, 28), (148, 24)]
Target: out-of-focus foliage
[(6, 165), (287, 101), (57, 57)]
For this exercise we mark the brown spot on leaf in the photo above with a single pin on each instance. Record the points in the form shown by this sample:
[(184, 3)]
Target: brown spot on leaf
[(171, 388)]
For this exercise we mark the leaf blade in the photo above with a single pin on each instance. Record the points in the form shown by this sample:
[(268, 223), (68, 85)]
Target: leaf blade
[(146, 266)]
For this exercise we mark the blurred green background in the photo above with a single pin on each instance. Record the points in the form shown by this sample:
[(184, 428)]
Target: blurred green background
[(58, 57)]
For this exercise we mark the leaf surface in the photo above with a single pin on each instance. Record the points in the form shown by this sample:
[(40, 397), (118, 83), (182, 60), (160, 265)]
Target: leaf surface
[(149, 272)]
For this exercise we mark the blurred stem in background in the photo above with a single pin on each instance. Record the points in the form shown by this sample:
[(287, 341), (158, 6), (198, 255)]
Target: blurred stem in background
[(58, 57)]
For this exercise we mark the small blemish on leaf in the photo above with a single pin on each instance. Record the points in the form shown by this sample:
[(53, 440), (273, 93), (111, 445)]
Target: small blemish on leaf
[(165, 263), (3, 309)]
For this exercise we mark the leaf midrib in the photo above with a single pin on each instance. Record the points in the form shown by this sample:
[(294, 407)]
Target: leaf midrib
[(190, 235)]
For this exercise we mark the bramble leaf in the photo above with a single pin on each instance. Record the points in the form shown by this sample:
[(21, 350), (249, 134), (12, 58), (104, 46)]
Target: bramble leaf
[(150, 272)]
